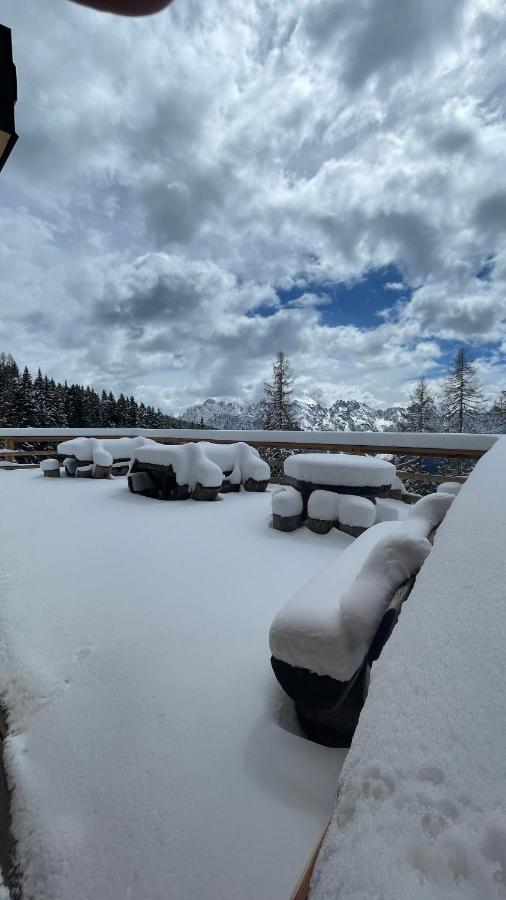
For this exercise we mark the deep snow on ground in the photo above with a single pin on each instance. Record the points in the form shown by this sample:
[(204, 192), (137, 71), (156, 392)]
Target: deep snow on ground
[(152, 753), (421, 813)]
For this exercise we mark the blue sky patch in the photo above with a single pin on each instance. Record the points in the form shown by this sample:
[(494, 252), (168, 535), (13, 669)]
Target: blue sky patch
[(357, 303)]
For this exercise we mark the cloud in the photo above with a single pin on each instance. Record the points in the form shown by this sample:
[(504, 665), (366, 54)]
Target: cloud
[(173, 174)]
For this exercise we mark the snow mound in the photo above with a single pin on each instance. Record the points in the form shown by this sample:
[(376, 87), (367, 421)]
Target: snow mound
[(83, 448), (238, 458), (102, 457), (391, 510), (398, 485), (344, 469), (193, 462), (328, 626), (323, 505), (430, 511), (49, 465), (449, 487), (287, 502), (358, 512), (421, 809)]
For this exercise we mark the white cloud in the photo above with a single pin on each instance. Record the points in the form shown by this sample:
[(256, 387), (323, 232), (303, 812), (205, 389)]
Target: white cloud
[(173, 172)]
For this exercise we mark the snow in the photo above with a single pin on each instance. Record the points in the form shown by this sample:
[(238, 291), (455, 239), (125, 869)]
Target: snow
[(102, 457), (205, 463), (356, 511), (421, 809), (152, 753), (240, 458), (189, 462), (479, 442), (328, 626), (398, 485), (343, 469), (323, 505), (84, 448), (391, 510), (49, 465), (286, 502), (429, 512), (449, 487)]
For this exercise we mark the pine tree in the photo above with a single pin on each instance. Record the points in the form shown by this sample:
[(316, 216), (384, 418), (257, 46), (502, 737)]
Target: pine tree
[(499, 412), (39, 401), (279, 412), (25, 400), (9, 383), (462, 399), (420, 416)]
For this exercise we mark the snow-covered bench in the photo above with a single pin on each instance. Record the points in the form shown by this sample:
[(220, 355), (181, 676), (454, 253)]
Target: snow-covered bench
[(324, 640), (199, 470)]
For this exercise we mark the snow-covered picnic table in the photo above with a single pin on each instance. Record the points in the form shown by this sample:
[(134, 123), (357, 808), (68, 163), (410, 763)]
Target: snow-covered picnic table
[(151, 754), (342, 473)]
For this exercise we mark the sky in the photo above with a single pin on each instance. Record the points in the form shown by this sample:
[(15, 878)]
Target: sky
[(194, 191)]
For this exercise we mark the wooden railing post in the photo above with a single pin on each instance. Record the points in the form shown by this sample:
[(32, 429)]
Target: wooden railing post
[(9, 445)]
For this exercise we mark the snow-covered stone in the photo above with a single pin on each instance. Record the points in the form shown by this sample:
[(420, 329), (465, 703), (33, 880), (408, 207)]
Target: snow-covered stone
[(323, 505), (421, 808), (449, 487), (343, 469), (328, 626), (357, 512), (49, 465)]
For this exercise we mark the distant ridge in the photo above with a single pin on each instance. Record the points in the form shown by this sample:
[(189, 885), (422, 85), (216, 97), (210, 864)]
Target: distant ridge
[(311, 415)]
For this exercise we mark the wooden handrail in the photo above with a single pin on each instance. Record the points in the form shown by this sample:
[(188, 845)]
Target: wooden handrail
[(291, 443)]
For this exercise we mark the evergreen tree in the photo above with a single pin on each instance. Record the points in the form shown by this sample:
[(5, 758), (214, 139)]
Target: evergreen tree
[(499, 413), (421, 414), (25, 400), (39, 401), (9, 382), (462, 399), (279, 413)]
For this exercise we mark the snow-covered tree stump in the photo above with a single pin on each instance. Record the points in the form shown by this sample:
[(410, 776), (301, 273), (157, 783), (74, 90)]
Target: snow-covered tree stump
[(322, 509), (84, 471), (286, 509), (70, 466), (50, 468), (255, 486), (200, 492)]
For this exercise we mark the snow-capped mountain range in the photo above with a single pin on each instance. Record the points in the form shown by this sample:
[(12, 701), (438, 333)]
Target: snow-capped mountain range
[(343, 415)]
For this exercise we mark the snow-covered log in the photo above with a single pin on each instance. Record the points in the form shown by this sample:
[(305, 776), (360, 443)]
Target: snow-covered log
[(322, 511), (355, 514), (50, 468), (102, 462), (286, 509)]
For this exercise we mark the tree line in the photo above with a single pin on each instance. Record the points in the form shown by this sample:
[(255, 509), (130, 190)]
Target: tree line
[(42, 402)]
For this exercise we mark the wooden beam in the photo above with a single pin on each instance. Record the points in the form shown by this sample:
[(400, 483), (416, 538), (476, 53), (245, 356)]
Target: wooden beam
[(14, 453), (301, 890), (426, 476), (292, 444)]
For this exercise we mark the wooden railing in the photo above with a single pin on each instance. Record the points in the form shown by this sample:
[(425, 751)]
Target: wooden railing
[(450, 446)]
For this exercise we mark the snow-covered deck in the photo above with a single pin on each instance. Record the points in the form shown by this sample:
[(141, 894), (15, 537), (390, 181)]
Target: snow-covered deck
[(152, 754)]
